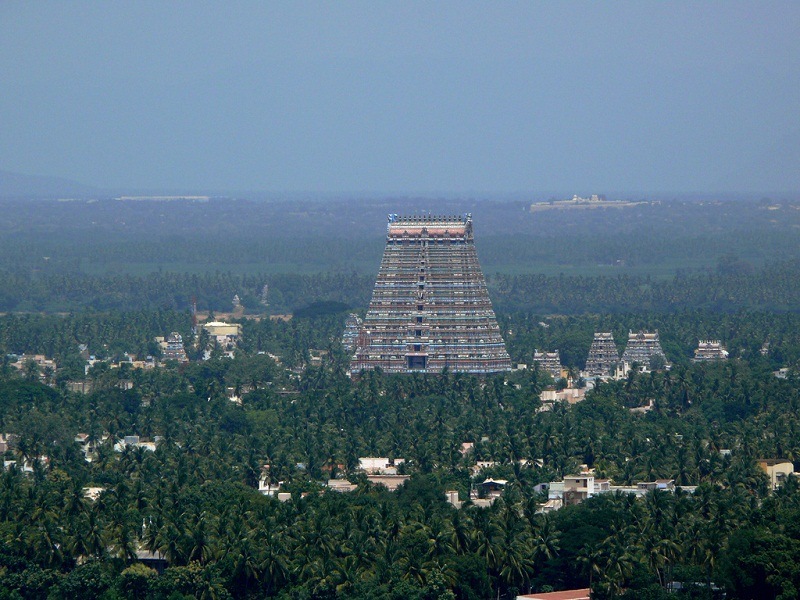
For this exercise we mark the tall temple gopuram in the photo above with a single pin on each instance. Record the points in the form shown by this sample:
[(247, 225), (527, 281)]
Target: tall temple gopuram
[(643, 347), (430, 309), (603, 355)]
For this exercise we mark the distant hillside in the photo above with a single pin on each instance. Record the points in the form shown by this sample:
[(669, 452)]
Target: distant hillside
[(17, 185)]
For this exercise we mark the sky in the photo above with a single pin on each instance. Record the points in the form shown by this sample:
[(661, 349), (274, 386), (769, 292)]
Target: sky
[(404, 97)]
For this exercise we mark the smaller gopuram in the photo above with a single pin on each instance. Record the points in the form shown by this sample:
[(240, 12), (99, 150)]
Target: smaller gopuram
[(603, 356), (549, 362), (172, 348), (710, 350), (642, 348), (350, 335)]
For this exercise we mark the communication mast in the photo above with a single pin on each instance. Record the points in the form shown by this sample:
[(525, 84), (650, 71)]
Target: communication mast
[(194, 315)]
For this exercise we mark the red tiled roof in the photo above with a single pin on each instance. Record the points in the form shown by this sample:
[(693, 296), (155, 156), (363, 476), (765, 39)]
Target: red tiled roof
[(582, 594)]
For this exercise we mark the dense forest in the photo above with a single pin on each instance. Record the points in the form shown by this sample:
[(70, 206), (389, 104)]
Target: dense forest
[(726, 271), (193, 499), (112, 254), (729, 286), (108, 225)]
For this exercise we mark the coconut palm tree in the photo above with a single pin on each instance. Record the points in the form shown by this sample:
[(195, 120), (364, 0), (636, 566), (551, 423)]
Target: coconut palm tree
[(546, 539)]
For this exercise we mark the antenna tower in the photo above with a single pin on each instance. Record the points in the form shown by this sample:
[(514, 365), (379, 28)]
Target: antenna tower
[(194, 315)]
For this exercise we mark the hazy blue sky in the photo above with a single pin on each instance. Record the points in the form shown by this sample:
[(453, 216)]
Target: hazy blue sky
[(414, 97)]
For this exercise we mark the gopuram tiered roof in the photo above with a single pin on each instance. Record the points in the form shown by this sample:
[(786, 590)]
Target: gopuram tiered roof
[(430, 308), (710, 350), (548, 361), (643, 346), (603, 355)]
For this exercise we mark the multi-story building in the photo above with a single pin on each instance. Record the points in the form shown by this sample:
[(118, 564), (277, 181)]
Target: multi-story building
[(777, 469), (603, 355), (430, 308)]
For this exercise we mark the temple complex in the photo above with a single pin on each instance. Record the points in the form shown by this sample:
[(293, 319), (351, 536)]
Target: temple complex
[(603, 355), (430, 309), (642, 348)]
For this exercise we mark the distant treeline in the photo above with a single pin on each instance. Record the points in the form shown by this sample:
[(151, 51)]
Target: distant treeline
[(250, 237), (733, 285), (175, 291), (591, 252)]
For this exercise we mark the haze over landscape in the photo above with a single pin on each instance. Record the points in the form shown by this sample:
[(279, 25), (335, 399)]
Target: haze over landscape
[(410, 97), (399, 301)]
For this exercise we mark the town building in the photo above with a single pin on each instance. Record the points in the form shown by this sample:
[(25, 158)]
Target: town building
[(390, 482), (220, 329), (578, 488), (710, 350), (341, 485), (485, 493), (225, 335), (430, 309), (568, 395), (134, 441), (549, 362), (573, 489), (451, 496), (667, 485), (777, 470), (37, 365), (379, 465), (644, 348), (603, 355), (266, 487)]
